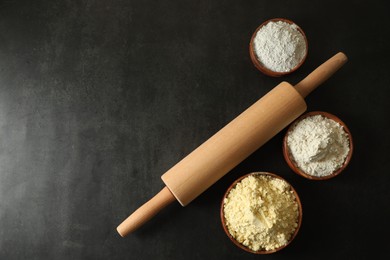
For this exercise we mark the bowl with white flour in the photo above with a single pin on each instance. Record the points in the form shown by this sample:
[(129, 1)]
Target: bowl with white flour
[(278, 47), (261, 213), (318, 146)]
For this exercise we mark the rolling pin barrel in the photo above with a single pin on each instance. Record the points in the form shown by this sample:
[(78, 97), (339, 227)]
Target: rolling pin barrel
[(232, 144)]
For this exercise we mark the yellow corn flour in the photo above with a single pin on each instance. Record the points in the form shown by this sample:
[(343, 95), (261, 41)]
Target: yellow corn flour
[(261, 212)]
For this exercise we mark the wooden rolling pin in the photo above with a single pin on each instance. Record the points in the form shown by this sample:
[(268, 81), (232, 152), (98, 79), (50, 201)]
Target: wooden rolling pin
[(232, 144)]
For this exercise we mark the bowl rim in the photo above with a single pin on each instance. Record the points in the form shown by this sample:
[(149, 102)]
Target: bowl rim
[(256, 61), (290, 161), (238, 244)]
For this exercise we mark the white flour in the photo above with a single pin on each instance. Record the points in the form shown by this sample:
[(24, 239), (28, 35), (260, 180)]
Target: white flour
[(279, 46), (318, 145)]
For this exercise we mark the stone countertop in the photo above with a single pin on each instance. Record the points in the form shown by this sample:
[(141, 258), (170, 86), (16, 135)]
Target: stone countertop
[(99, 98)]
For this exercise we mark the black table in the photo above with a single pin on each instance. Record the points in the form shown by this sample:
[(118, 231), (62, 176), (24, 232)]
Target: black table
[(99, 98)]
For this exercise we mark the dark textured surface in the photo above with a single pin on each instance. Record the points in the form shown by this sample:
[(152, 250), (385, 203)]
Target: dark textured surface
[(99, 98)]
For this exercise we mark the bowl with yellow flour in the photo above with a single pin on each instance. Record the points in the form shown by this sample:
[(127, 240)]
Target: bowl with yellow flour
[(261, 213)]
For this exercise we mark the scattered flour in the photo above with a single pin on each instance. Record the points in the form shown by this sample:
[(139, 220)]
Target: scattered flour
[(261, 212), (319, 145), (279, 46)]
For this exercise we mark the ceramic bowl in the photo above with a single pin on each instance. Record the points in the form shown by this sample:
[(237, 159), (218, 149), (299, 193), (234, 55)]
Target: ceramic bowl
[(290, 161), (256, 61), (238, 244)]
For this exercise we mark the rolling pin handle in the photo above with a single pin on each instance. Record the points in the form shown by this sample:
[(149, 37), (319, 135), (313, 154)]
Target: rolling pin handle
[(146, 212), (321, 74)]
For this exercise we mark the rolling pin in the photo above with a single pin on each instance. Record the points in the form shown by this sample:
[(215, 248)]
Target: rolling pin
[(232, 144)]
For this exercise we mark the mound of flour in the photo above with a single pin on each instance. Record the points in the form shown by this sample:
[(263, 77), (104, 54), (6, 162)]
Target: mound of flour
[(319, 145), (279, 46)]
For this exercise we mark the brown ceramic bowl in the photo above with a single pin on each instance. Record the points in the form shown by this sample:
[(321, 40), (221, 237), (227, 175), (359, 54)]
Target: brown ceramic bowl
[(256, 61), (290, 161), (241, 245)]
